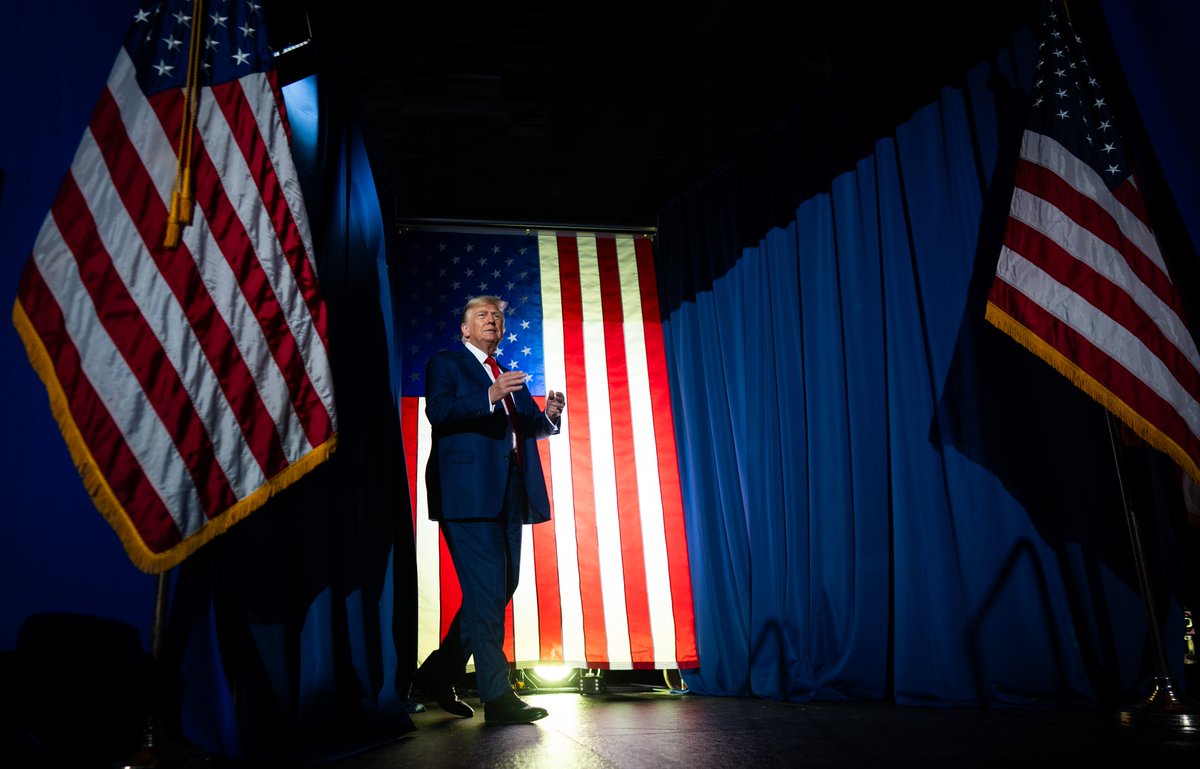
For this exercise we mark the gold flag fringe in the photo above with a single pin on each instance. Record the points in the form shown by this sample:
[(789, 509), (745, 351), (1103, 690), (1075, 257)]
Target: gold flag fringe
[(1101, 394), (106, 500)]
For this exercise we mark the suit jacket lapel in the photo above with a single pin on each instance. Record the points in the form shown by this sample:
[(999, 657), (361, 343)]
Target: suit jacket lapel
[(472, 365)]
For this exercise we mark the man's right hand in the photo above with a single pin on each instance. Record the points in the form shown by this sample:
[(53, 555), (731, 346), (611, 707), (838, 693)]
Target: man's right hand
[(508, 382)]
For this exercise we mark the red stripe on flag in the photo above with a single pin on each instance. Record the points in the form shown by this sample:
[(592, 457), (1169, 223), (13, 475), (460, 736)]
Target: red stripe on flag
[(678, 566), (633, 556), (101, 436), (139, 346), (449, 592), (510, 644), (178, 269), (595, 634), (409, 418), (280, 103), (545, 573)]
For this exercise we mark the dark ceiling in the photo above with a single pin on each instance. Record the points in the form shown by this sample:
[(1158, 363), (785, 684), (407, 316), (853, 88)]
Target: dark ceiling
[(601, 113)]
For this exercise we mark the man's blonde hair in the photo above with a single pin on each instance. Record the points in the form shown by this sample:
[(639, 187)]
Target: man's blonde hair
[(479, 301)]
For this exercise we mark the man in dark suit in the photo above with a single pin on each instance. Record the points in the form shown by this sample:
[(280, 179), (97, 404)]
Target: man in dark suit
[(485, 480)]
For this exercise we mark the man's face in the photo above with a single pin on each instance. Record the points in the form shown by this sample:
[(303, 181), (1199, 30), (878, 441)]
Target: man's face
[(484, 327)]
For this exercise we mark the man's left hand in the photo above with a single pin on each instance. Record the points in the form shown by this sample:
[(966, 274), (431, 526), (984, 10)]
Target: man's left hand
[(555, 403)]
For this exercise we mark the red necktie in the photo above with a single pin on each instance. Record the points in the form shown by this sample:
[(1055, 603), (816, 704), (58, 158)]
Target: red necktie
[(510, 407)]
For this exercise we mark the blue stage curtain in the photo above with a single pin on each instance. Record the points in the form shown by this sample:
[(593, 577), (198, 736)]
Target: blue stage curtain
[(885, 496)]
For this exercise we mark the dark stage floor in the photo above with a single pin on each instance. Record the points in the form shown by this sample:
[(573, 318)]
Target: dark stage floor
[(642, 726), (656, 730), (652, 727)]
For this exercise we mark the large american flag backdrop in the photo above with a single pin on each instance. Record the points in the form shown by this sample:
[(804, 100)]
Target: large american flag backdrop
[(190, 380), (1081, 281), (604, 584)]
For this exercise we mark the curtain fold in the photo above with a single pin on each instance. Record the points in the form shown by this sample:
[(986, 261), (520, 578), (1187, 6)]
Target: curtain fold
[(886, 499)]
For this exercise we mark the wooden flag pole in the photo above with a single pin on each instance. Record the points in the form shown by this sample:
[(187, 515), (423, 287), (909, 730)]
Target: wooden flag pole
[(1166, 708)]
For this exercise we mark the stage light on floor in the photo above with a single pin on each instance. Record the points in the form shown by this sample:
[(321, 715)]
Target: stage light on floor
[(553, 674), (547, 678)]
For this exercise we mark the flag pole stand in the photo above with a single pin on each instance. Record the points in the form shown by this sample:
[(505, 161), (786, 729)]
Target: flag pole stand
[(150, 754), (1166, 710)]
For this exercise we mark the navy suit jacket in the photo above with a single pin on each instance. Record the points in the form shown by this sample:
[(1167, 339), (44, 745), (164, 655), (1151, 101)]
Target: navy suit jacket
[(468, 461)]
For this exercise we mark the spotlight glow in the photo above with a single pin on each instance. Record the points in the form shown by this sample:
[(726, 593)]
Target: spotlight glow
[(552, 673)]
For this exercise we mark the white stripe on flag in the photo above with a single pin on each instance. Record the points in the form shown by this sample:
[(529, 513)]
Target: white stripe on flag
[(142, 126), (527, 647)]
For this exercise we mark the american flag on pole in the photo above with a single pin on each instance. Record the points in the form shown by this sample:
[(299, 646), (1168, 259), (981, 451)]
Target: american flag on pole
[(605, 583), (183, 344), (1081, 281)]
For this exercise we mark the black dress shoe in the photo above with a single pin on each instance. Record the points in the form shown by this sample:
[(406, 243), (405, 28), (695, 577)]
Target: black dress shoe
[(511, 709), (442, 692)]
